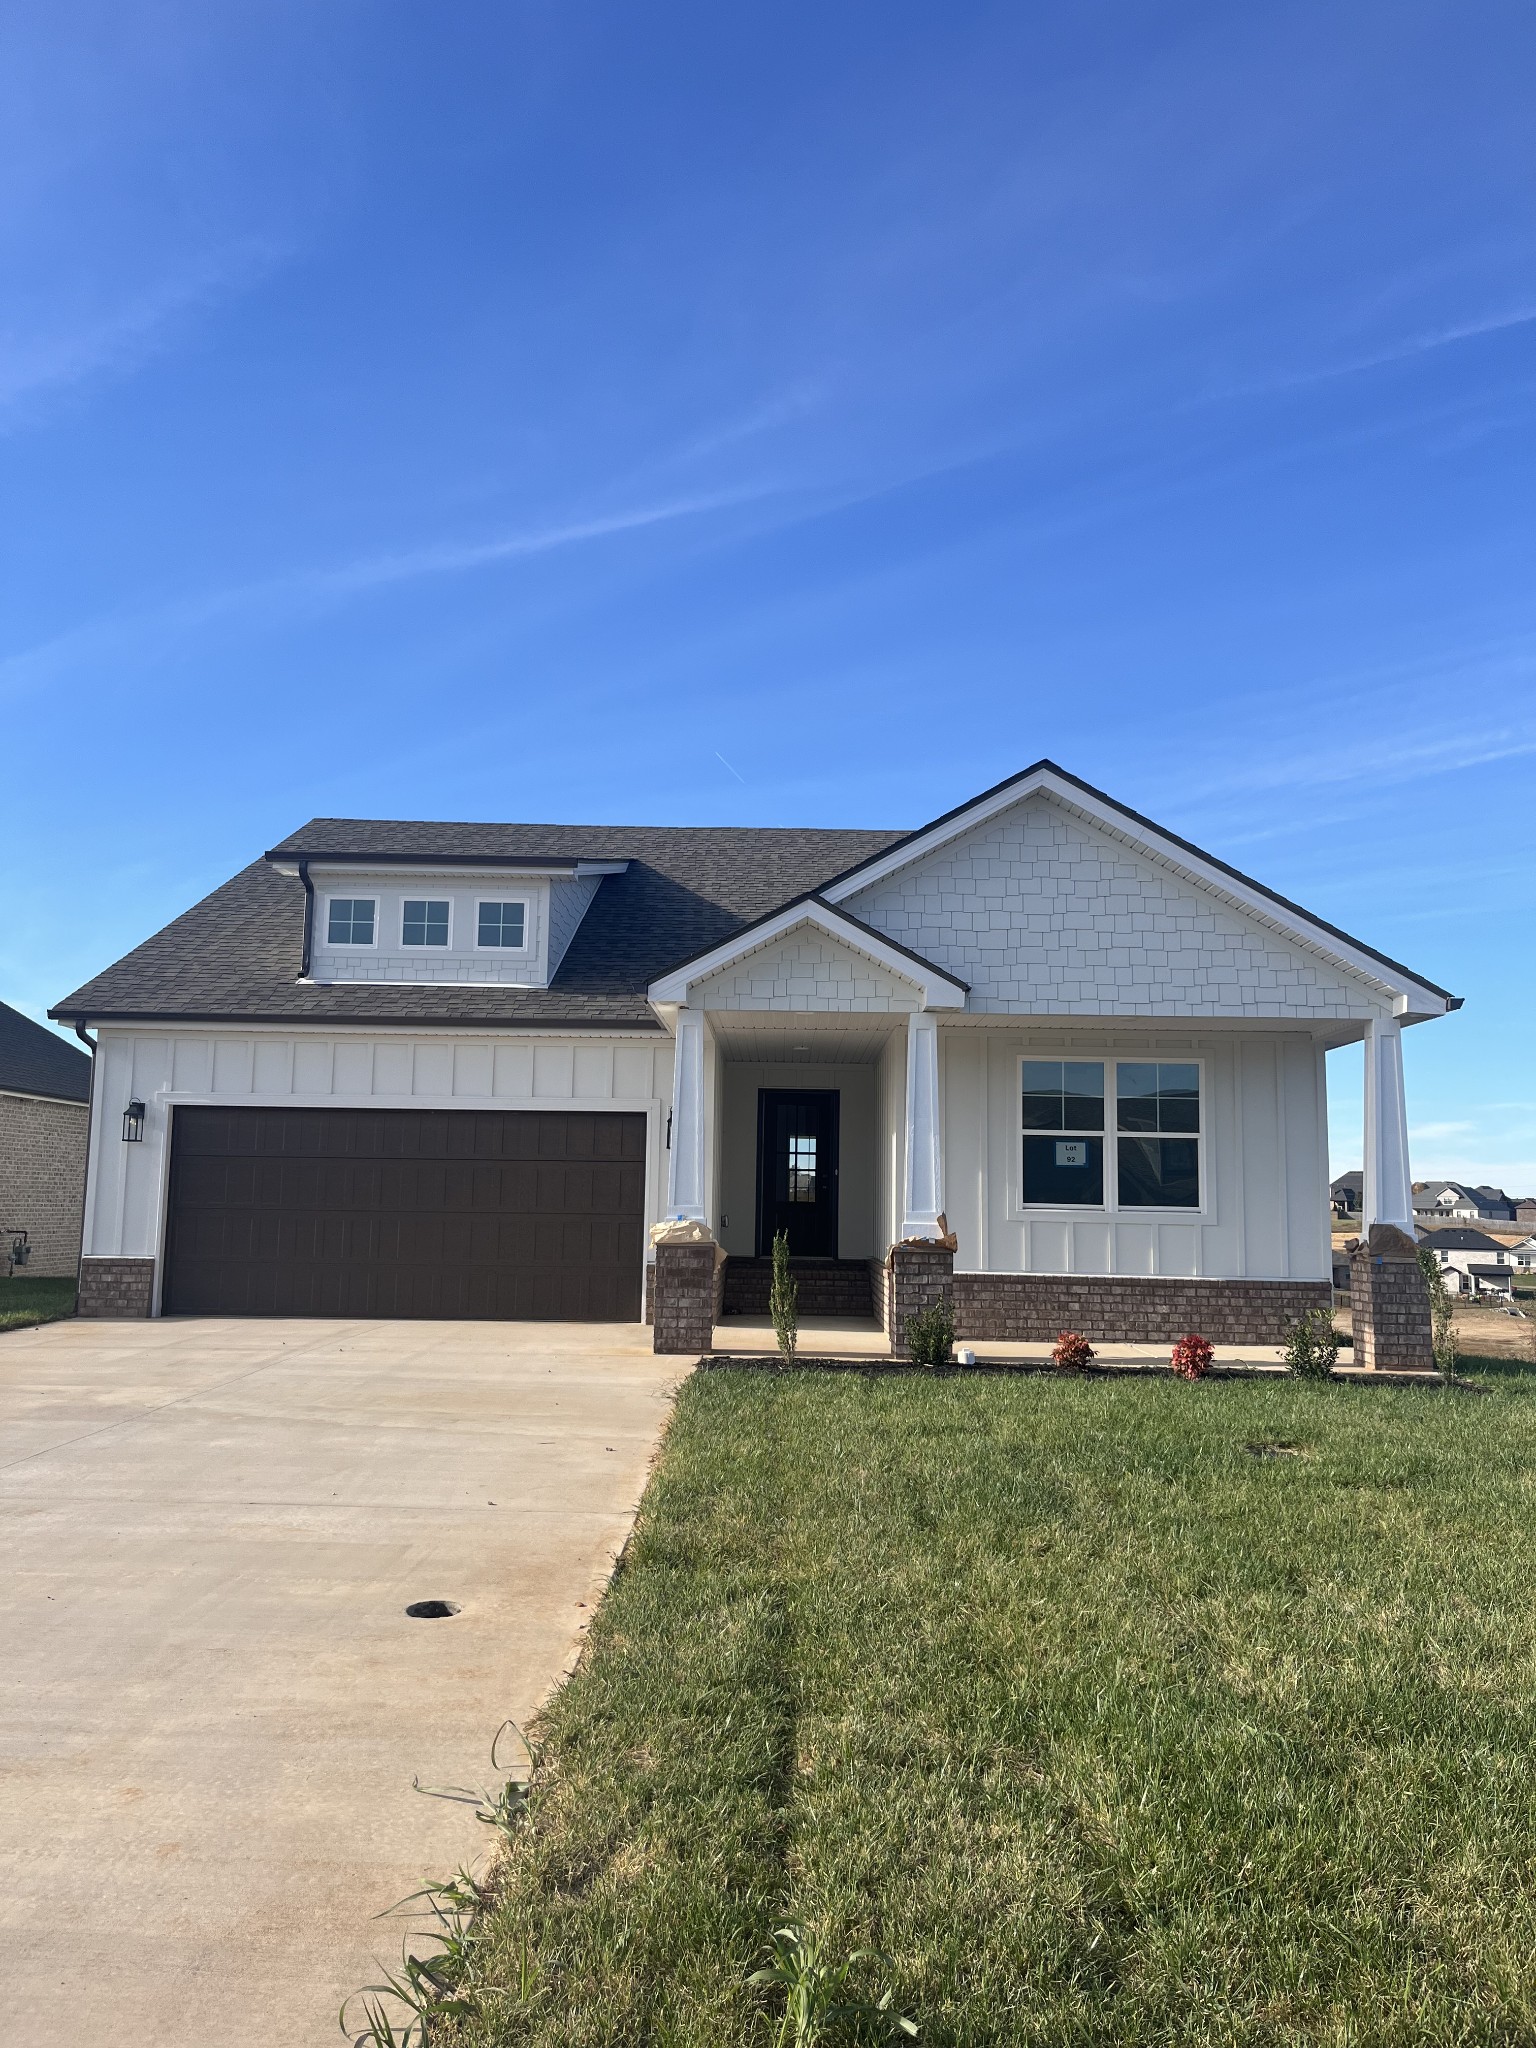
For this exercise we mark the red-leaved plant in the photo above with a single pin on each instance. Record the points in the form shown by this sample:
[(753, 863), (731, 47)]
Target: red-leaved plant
[(1072, 1352), (1192, 1357)]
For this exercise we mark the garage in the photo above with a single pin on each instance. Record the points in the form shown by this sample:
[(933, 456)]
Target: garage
[(494, 1214)]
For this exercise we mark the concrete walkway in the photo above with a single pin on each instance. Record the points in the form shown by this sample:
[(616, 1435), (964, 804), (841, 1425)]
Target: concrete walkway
[(212, 1702)]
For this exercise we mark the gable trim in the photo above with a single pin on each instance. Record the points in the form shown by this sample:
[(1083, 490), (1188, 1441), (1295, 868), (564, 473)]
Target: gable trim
[(939, 989), (1045, 777)]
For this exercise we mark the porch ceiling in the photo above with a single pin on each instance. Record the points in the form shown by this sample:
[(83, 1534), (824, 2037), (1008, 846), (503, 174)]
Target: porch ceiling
[(821, 1039)]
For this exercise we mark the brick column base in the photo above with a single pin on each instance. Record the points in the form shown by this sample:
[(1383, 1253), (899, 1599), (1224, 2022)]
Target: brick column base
[(119, 1290), (917, 1276), (686, 1295), (1389, 1303)]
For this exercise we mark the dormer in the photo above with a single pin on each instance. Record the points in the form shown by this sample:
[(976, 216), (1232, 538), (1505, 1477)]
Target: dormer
[(427, 918)]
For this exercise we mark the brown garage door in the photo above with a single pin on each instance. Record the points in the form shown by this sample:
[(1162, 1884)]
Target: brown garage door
[(406, 1212)]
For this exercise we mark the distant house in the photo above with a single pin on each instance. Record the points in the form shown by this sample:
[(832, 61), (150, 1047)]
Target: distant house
[(1524, 1255), (1437, 1200), (1347, 1194), (1472, 1261), (1525, 1209), (45, 1088)]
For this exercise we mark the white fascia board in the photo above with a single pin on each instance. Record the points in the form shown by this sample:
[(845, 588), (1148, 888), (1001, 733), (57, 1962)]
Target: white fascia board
[(939, 990), (1410, 999)]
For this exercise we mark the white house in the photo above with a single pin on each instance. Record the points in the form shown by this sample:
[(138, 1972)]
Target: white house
[(417, 1069), (1472, 1261), (1441, 1201)]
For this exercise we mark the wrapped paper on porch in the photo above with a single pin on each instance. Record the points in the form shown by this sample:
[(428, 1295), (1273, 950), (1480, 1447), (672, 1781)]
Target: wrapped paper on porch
[(681, 1230), (945, 1241)]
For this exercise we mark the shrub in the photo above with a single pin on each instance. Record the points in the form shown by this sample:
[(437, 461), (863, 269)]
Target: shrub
[(1442, 1329), (1312, 1345), (1072, 1352), (784, 1298), (930, 1334), (1192, 1357)]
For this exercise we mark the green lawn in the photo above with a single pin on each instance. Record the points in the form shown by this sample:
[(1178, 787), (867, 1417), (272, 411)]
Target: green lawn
[(24, 1300), (1100, 1728)]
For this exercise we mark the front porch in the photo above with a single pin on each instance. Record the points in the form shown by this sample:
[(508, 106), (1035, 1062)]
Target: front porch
[(1129, 1177)]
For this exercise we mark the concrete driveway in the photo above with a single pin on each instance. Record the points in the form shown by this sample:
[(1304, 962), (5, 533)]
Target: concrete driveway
[(212, 1701)]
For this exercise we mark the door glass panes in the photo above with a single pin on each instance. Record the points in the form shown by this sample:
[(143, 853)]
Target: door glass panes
[(501, 924), (1066, 1099), (802, 1169), (423, 923), (1155, 1098), (350, 922)]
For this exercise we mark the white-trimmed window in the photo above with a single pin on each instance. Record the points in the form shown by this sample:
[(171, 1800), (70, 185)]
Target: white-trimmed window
[(1157, 1126), (502, 925), (1063, 1117), (1070, 1109), (425, 921), (351, 921)]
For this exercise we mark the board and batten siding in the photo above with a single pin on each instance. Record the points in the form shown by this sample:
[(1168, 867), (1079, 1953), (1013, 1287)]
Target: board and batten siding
[(1265, 1214), (447, 1070)]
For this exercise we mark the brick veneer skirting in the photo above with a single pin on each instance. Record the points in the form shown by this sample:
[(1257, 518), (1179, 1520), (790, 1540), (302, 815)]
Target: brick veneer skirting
[(827, 1287), (117, 1289), (690, 1282), (918, 1275), (1123, 1308)]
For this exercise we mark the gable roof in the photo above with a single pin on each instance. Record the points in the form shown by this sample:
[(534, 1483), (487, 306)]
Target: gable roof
[(1455, 1240), (1047, 778), (36, 1061), (940, 989), (235, 956)]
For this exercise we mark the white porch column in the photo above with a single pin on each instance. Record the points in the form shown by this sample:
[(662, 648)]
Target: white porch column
[(1388, 1186), (923, 1200), (685, 1162)]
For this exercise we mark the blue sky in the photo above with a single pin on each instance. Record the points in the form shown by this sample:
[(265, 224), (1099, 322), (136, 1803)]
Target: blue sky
[(781, 414)]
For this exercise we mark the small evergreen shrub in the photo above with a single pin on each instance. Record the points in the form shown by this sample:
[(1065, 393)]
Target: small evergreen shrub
[(1312, 1345), (784, 1299), (930, 1334), (1192, 1357), (1072, 1352)]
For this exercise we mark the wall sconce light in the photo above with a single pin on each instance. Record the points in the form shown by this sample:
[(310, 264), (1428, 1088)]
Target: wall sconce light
[(133, 1122)]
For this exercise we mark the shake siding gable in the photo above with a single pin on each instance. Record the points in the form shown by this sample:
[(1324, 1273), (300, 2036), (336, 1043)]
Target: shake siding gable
[(806, 971), (1043, 914)]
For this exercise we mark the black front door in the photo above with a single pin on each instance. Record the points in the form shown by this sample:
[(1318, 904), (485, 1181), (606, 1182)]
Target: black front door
[(797, 1170)]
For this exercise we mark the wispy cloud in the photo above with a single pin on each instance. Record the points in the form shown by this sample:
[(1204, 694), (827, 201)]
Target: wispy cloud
[(153, 631), (114, 341)]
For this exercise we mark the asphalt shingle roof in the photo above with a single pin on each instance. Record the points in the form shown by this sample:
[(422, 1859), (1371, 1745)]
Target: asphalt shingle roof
[(36, 1061), (1460, 1241), (236, 954)]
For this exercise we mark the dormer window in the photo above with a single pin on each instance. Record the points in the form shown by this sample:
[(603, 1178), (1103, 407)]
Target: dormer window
[(503, 925), (351, 921), (424, 921)]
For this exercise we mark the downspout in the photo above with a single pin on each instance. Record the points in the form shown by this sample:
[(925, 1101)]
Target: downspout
[(89, 1043), (309, 919)]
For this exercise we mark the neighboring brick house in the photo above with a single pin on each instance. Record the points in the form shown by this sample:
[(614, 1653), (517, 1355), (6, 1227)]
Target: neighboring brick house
[(45, 1089), (1040, 1055)]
